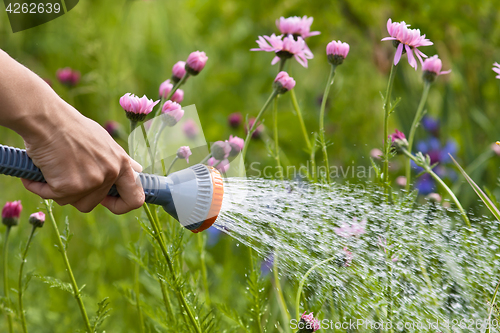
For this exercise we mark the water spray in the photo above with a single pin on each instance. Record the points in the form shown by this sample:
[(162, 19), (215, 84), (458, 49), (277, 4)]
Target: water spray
[(192, 196)]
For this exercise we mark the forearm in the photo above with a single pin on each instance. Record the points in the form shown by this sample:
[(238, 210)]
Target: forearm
[(28, 105)]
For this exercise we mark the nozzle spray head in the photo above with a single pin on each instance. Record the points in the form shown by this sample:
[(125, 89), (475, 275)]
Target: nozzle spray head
[(192, 196)]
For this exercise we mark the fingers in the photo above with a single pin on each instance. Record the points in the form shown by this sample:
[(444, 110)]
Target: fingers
[(135, 165), (41, 189), (131, 193)]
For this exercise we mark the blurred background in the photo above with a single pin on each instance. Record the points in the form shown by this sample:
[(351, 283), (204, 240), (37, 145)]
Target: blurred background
[(131, 46)]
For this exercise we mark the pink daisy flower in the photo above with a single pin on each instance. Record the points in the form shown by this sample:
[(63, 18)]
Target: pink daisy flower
[(310, 322), (406, 40), (284, 48), (296, 26), (496, 69)]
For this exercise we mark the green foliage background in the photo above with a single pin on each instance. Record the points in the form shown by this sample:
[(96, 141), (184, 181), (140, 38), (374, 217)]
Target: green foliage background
[(130, 46)]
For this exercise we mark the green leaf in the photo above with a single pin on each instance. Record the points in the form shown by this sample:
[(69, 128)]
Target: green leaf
[(491, 206), (55, 283), (101, 314)]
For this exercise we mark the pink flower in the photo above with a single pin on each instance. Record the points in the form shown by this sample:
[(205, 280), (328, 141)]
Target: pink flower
[(355, 229), (398, 138), (68, 77), (236, 145), (178, 71), (196, 62), (37, 219), (190, 128), (310, 322), (184, 152), (257, 130), (337, 52), (220, 150), (284, 48), (407, 39), (401, 181), (235, 119), (433, 65), (137, 108), (222, 166), (165, 89), (11, 212), (296, 26), (376, 153), (434, 197), (496, 148), (348, 256), (172, 112), (283, 82), (496, 69)]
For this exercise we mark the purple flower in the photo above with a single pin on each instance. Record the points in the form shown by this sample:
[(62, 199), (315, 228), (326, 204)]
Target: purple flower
[(257, 131), (113, 128), (11, 212), (235, 119), (398, 138), (68, 76), (308, 323), (283, 82), (430, 124), (236, 145), (337, 52), (432, 68), (296, 26), (137, 108), (220, 150), (267, 264), (37, 219), (284, 48), (165, 89), (406, 40), (184, 152), (195, 62), (425, 184)]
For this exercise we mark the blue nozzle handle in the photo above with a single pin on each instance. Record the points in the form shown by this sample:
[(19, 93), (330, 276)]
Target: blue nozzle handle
[(16, 162)]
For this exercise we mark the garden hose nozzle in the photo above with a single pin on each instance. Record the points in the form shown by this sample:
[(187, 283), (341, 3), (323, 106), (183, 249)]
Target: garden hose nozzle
[(192, 196)]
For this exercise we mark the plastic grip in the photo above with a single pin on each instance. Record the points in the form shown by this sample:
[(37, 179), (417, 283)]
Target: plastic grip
[(15, 162)]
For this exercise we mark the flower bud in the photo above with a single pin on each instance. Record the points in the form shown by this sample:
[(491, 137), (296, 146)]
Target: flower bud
[(190, 129), (236, 145), (196, 62), (257, 130), (165, 89), (434, 197), (137, 108), (37, 219), (398, 138), (220, 150), (178, 71), (184, 152), (11, 212), (432, 68), (337, 52), (68, 77), (113, 128), (283, 82), (235, 119), (171, 113)]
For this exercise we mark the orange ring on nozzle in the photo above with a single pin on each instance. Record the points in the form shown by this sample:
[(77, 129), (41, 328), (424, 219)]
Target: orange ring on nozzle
[(217, 195)]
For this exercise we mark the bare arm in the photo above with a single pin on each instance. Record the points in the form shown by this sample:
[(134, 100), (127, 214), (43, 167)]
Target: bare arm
[(78, 158)]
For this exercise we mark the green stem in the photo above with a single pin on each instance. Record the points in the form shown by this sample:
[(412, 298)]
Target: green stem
[(491, 306), (414, 125), (138, 297), (443, 184), (171, 165), (74, 285), (276, 144), (389, 290), (180, 295), (301, 285), (201, 247), (6, 276), (20, 288), (174, 89), (322, 121), (145, 134), (206, 159), (387, 142), (256, 122), (281, 299), (301, 120)]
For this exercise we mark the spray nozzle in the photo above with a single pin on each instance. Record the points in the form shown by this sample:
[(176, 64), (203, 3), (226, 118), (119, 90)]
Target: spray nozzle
[(192, 196)]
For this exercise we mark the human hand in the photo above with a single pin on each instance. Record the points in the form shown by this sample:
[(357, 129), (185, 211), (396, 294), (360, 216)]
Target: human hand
[(80, 162)]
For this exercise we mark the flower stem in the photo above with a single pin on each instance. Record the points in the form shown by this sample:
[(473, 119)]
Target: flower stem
[(74, 285), (137, 291), (279, 291), (180, 295), (302, 282), (414, 125), (256, 122), (276, 144), (145, 134), (6, 276), (301, 120), (201, 247), (322, 121), (171, 165), (443, 184), (387, 141), (20, 288)]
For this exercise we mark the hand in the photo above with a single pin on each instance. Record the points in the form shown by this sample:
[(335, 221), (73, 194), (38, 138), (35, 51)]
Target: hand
[(80, 162)]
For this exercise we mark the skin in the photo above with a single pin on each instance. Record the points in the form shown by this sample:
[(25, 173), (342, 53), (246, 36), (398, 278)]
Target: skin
[(78, 158)]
